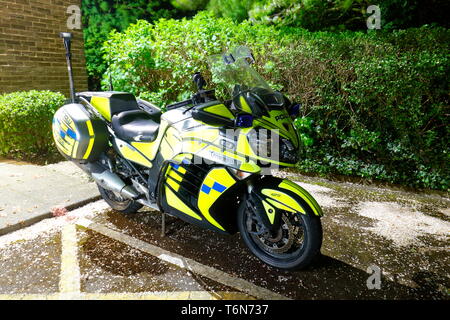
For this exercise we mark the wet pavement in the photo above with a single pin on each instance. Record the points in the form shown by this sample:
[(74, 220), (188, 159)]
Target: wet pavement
[(96, 253)]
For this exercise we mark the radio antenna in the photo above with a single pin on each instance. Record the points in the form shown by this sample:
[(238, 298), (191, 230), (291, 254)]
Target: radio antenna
[(67, 36)]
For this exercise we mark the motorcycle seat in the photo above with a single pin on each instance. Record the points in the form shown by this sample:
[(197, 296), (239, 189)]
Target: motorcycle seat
[(135, 125)]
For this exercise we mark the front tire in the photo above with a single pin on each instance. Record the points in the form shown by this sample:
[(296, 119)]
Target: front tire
[(294, 246), (118, 203)]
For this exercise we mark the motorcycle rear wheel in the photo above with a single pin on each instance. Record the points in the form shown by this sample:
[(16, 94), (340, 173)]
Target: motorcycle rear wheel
[(293, 246), (117, 202)]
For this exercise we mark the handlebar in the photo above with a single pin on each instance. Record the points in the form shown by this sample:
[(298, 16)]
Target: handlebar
[(198, 98), (179, 104)]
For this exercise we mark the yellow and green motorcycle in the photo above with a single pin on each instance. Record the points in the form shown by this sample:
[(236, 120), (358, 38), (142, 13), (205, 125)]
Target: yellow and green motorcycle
[(204, 160)]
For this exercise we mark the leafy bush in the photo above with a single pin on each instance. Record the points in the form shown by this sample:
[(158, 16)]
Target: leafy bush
[(157, 60), (237, 10), (313, 15), (401, 14), (316, 15), (378, 104), (25, 123), (100, 17), (375, 104)]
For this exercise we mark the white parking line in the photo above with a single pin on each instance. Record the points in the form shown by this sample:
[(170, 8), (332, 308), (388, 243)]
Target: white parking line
[(69, 282), (183, 262), (156, 295)]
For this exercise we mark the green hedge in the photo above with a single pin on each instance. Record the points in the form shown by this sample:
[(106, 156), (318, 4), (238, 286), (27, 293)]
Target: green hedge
[(157, 60), (375, 104), (25, 123), (100, 17)]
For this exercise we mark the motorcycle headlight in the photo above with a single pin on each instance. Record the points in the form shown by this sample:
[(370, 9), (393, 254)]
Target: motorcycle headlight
[(262, 141), (241, 175), (288, 153), (268, 144)]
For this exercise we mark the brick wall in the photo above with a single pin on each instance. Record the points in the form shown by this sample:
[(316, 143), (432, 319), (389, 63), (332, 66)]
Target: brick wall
[(32, 55)]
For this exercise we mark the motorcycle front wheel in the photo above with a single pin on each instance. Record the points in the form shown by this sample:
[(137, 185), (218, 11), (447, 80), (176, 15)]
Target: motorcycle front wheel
[(293, 246)]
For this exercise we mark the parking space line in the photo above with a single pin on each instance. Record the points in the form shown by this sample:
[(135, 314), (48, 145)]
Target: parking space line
[(185, 263), (69, 282), (157, 295)]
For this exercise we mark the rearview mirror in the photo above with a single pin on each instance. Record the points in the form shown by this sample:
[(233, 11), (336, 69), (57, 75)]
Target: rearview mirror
[(199, 80), (294, 110)]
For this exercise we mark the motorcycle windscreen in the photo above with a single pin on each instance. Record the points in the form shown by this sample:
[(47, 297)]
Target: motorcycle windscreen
[(233, 72)]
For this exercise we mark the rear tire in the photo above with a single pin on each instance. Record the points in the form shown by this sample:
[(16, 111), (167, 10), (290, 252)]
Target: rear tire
[(295, 246), (118, 203)]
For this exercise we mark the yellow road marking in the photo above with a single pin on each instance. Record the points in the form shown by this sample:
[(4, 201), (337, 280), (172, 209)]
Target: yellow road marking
[(186, 263), (157, 295), (69, 282)]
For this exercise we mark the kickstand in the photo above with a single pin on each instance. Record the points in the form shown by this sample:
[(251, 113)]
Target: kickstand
[(163, 225)]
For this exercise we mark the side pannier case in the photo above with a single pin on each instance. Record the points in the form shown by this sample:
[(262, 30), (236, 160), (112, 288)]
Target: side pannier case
[(79, 135)]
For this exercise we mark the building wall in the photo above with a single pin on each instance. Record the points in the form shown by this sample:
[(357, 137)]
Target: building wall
[(32, 54)]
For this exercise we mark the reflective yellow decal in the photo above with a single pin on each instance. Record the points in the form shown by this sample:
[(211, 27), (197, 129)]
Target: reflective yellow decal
[(282, 200), (270, 211), (173, 178), (289, 185), (102, 106), (149, 149), (216, 182), (132, 154), (244, 105), (91, 139), (250, 167), (174, 175), (280, 205), (65, 133), (176, 203), (75, 149), (175, 186), (220, 110)]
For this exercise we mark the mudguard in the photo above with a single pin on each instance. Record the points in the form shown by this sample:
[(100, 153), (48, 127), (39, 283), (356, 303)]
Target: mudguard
[(271, 195)]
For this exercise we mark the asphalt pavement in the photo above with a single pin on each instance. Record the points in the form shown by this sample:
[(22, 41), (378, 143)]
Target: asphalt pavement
[(379, 242)]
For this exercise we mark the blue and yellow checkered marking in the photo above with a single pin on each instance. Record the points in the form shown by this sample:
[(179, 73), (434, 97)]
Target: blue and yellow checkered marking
[(178, 168), (69, 132), (216, 186), (211, 190)]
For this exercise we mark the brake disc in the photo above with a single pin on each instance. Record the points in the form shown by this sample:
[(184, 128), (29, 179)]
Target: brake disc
[(279, 242), (283, 240)]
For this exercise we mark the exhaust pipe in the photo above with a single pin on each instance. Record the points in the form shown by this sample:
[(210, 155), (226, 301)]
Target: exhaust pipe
[(109, 180)]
